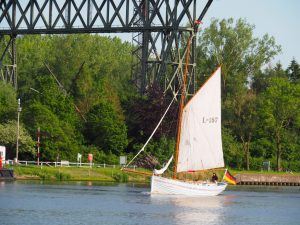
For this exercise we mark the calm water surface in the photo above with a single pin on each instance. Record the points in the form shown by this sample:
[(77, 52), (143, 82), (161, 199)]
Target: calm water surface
[(24, 202)]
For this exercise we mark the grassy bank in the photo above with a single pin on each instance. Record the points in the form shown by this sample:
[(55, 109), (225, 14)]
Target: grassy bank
[(75, 174), (234, 172), (108, 174)]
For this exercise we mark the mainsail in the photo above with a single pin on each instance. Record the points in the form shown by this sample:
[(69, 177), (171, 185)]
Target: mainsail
[(200, 146)]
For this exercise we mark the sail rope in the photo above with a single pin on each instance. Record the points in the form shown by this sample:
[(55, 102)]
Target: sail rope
[(181, 105), (160, 121)]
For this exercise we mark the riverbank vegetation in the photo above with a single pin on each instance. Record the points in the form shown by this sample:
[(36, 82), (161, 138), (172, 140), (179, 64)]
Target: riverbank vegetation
[(78, 89), (110, 174), (75, 174)]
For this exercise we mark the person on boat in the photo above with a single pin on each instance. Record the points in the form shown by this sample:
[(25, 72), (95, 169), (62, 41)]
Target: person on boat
[(214, 178)]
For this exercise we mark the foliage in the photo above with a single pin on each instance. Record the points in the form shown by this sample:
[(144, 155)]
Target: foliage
[(162, 149), (8, 137), (279, 111), (105, 129), (120, 177), (144, 113), (79, 91), (8, 102), (232, 155), (293, 71), (242, 56), (234, 46)]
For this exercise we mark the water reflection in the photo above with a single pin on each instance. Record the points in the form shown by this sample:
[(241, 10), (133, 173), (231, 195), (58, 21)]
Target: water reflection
[(198, 209), (188, 210), (98, 203)]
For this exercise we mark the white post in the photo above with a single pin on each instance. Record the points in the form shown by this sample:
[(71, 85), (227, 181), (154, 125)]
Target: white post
[(38, 145), (19, 109)]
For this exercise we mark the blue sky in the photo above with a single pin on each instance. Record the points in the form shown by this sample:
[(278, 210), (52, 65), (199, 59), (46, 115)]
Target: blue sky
[(278, 18)]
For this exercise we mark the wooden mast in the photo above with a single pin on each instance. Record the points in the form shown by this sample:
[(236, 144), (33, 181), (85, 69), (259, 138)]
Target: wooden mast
[(181, 105)]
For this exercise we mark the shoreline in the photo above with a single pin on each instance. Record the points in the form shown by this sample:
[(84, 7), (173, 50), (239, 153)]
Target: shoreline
[(116, 175)]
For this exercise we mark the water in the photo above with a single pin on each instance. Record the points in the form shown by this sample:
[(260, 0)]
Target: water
[(24, 202)]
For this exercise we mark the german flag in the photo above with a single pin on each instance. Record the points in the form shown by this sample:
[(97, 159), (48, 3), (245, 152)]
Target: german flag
[(229, 178)]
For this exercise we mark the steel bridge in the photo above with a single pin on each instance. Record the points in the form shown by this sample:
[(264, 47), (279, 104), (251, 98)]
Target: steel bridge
[(161, 29)]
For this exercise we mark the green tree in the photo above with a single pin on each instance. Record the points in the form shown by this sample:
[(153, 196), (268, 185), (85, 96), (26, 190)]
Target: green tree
[(57, 137), (279, 109), (293, 71), (241, 55), (105, 129), (90, 68), (261, 80), (8, 102), (53, 111), (8, 137), (234, 46), (243, 120), (232, 155)]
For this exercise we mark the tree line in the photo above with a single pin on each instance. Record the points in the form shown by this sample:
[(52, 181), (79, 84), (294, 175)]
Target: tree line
[(78, 90)]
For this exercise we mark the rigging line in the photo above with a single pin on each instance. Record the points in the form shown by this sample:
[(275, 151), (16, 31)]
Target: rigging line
[(183, 94), (143, 148)]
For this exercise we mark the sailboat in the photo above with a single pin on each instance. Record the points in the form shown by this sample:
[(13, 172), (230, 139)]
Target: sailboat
[(199, 144)]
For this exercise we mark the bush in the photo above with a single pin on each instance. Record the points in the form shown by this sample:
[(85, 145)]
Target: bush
[(290, 166), (120, 177), (62, 176), (256, 163)]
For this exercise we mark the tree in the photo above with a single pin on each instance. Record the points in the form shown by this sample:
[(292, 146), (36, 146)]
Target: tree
[(278, 110), (144, 113), (231, 147), (241, 55), (53, 111), (8, 102), (8, 137), (243, 121), (91, 68), (261, 79), (234, 46), (58, 140), (293, 71), (105, 129)]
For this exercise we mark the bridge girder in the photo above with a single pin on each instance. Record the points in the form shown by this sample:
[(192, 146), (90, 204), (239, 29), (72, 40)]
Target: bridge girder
[(164, 36)]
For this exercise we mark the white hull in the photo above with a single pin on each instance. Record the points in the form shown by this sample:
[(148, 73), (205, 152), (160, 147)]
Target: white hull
[(161, 185)]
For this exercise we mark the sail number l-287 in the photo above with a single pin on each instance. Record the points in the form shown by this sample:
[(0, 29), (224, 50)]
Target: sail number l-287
[(210, 119)]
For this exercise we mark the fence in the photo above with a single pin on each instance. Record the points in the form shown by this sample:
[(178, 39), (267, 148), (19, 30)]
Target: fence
[(63, 163)]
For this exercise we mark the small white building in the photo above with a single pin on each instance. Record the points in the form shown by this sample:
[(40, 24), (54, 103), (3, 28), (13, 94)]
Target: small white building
[(3, 153)]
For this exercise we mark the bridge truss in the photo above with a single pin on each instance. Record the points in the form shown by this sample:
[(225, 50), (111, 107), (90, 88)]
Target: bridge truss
[(161, 30)]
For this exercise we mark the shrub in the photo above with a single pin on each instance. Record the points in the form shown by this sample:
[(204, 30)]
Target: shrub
[(120, 177)]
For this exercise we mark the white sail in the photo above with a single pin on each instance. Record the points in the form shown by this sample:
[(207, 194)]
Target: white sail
[(162, 170), (200, 146)]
